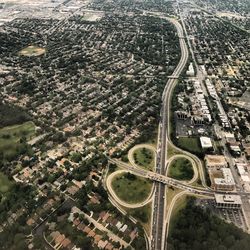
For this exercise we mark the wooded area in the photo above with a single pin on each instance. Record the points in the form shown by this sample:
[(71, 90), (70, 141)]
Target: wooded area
[(196, 228), (11, 115)]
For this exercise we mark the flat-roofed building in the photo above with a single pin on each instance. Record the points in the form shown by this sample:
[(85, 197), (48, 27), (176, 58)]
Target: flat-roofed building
[(222, 180), (215, 161), (228, 201), (206, 142)]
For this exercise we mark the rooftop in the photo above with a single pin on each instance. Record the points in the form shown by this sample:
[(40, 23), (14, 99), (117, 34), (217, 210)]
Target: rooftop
[(227, 177), (228, 199), (216, 160), (206, 142)]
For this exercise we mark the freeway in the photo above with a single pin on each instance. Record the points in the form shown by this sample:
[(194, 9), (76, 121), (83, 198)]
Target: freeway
[(159, 200)]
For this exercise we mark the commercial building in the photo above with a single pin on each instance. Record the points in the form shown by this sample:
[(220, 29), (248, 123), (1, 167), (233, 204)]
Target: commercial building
[(222, 180), (241, 168), (215, 161), (228, 201), (206, 142), (190, 71)]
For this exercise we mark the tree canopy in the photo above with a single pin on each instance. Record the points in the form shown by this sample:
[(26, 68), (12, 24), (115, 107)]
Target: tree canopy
[(196, 228)]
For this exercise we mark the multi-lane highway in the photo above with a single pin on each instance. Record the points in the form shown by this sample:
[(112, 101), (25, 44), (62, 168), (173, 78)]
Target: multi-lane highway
[(158, 238)]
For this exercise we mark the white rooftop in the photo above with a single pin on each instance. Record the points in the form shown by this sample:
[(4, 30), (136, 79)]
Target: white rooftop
[(228, 199), (245, 178), (206, 142)]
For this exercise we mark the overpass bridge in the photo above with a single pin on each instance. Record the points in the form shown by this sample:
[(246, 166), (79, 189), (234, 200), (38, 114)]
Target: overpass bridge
[(162, 178)]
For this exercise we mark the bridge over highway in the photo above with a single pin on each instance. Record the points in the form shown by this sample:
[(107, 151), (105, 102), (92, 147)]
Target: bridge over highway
[(162, 178)]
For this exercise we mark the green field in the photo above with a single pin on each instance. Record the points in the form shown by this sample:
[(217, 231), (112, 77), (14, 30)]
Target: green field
[(190, 144), (10, 136), (144, 157), (130, 188), (5, 183), (179, 205), (172, 151), (152, 139), (142, 213), (181, 169)]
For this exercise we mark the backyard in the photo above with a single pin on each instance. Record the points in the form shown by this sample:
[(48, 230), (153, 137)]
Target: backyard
[(32, 51)]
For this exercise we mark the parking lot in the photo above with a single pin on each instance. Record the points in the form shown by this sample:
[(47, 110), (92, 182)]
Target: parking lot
[(185, 128), (234, 216)]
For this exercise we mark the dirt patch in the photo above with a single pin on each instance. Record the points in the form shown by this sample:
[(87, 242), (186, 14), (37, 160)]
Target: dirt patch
[(32, 51)]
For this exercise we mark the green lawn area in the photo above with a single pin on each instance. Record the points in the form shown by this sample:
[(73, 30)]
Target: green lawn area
[(153, 138), (179, 205), (191, 144), (142, 214), (172, 151), (130, 188), (171, 192), (145, 158), (10, 137), (5, 183), (181, 169)]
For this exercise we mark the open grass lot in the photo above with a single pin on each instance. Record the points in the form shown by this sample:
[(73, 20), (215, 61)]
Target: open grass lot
[(5, 183), (181, 169), (171, 192), (130, 188), (32, 51), (172, 151), (10, 138), (145, 158), (142, 213), (179, 205), (191, 144)]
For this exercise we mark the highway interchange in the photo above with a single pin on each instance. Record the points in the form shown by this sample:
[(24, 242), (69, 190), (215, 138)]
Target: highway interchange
[(160, 220)]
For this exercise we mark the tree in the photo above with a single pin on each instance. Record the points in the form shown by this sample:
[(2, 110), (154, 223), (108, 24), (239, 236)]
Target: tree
[(84, 242), (76, 157)]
